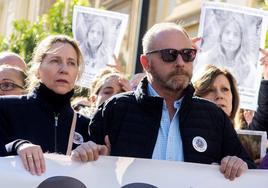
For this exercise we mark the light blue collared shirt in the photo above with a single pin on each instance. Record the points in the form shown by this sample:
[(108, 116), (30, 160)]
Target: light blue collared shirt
[(168, 145)]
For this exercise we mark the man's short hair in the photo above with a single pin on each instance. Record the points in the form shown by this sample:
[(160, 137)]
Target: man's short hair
[(149, 36)]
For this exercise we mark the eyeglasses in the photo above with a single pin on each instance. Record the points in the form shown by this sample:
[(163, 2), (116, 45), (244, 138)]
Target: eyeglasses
[(170, 55), (8, 86)]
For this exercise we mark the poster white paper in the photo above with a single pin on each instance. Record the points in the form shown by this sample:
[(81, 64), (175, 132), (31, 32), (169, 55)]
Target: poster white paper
[(119, 172), (232, 36), (100, 34)]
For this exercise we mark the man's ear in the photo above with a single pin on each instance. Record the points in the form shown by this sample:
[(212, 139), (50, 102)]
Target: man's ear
[(145, 62)]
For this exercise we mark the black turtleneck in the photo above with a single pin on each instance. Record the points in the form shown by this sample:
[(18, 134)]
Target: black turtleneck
[(57, 101)]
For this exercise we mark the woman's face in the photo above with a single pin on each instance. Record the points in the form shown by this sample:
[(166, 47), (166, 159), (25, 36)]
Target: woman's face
[(110, 87), (59, 69), (220, 93), (95, 35), (231, 37), (11, 82)]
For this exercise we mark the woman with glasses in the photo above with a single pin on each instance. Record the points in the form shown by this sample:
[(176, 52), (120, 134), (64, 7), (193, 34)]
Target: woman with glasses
[(12, 80), (43, 120)]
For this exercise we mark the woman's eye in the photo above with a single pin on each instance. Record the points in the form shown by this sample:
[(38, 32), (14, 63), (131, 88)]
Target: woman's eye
[(72, 63), (54, 61), (211, 90), (107, 92), (225, 89)]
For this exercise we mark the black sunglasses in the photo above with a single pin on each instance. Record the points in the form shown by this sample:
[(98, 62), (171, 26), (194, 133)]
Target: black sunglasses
[(170, 55)]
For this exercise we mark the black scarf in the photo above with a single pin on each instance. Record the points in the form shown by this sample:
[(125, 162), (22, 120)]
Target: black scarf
[(55, 100)]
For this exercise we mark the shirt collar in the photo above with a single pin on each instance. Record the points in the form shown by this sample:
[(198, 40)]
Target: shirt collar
[(153, 93)]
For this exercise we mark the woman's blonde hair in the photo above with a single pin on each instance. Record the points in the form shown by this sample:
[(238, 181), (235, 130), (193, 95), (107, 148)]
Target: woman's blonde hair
[(40, 53), (204, 83)]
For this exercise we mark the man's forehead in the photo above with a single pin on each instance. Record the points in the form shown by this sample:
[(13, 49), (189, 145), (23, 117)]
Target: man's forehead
[(171, 37), (13, 61)]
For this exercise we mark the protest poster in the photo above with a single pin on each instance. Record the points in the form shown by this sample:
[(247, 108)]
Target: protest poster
[(99, 33), (231, 38), (255, 143)]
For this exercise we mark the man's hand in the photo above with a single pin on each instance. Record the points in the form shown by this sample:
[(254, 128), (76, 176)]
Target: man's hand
[(89, 151), (232, 167), (32, 158)]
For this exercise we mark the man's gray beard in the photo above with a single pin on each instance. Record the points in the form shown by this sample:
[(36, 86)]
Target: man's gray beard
[(170, 84)]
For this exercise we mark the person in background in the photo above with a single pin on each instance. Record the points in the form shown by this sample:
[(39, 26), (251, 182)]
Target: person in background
[(108, 82), (135, 80), (44, 121), (12, 59), (12, 80), (162, 119), (219, 86)]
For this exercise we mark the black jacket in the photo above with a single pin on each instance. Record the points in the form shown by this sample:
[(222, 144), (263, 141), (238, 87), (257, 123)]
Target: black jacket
[(43, 118), (260, 118), (132, 120)]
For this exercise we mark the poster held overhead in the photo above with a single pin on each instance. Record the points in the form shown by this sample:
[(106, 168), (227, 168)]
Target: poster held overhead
[(100, 34), (232, 36)]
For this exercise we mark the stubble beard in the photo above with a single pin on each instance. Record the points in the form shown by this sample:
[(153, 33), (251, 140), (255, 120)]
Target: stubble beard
[(171, 82)]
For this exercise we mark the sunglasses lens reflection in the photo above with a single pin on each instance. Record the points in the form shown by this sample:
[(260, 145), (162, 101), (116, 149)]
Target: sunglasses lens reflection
[(170, 55)]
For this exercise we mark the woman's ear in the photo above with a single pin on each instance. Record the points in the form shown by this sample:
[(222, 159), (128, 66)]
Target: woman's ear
[(145, 62), (38, 74)]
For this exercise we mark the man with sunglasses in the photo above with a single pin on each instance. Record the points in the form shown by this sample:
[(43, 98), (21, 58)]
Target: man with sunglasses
[(161, 119)]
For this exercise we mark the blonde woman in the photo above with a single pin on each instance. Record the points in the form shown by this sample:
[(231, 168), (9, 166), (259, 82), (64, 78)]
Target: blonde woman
[(43, 120)]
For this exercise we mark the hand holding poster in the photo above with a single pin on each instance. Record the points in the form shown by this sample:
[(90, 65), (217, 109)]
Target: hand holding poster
[(232, 36), (116, 172), (100, 34)]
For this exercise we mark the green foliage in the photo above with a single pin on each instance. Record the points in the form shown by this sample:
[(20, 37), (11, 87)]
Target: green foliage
[(265, 7), (3, 44), (24, 38), (26, 35)]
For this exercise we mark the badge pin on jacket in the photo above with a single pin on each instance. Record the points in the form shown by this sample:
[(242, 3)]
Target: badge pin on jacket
[(199, 144)]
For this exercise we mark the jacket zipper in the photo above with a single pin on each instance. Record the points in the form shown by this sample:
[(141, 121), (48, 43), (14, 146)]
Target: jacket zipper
[(56, 117)]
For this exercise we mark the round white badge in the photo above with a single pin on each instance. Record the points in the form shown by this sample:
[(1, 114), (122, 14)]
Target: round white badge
[(78, 138), (199, 144)]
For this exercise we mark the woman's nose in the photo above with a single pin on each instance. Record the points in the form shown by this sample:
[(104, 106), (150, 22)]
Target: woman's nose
[(219, 94), (63, 67)]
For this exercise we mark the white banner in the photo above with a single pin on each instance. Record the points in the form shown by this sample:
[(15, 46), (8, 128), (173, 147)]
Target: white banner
[(116, 172)]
